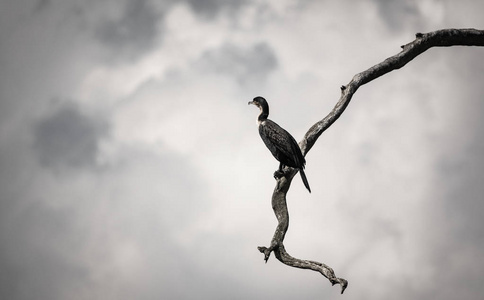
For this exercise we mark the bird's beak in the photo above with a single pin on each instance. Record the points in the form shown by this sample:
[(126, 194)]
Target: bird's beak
[(251, 102)]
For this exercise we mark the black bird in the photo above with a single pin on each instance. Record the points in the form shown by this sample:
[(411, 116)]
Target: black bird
[(280, 142)]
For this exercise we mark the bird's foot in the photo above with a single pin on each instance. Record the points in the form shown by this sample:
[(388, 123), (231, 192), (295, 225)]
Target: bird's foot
[(278, 174)]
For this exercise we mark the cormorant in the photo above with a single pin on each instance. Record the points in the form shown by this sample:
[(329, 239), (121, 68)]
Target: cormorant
[(281, 144)]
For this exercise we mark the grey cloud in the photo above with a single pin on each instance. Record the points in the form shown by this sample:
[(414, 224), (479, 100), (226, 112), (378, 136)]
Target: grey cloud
[(210, 8), (461, 207), (458, 189), (461, 165), (114, 234), (134, 33), (33, 258), (398, 14), (462, 177), (455, 235), (135, 229), (68, 138), (42, 4), (247, 65)]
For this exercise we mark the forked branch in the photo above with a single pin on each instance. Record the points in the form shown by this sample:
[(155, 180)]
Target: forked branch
[(440, 38)]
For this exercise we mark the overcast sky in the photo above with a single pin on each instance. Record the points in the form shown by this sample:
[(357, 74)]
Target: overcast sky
[(131, 165)]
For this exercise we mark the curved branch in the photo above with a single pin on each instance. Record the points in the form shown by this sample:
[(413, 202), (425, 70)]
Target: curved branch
[(423, 42), (440, 38), (279, 205)]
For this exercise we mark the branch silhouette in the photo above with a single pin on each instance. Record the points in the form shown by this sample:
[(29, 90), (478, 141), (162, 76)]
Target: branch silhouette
[(422, 42)]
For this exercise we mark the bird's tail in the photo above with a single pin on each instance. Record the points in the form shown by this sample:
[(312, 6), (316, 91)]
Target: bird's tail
[(304, 179)]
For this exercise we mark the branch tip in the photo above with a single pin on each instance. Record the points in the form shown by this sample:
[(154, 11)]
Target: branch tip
[(344, 285), (343, 88), (266, 252)]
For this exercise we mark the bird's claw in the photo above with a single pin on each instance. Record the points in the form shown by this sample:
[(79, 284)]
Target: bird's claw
[(278, 174)]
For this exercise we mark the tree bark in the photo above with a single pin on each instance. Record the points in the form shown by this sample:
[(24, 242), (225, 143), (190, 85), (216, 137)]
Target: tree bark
[(422, 42)]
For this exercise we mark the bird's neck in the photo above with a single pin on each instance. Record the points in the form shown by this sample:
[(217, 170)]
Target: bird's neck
[(262, 117), (264, 113)]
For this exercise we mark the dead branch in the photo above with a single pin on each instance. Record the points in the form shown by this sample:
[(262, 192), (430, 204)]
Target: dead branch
[(423, 42)]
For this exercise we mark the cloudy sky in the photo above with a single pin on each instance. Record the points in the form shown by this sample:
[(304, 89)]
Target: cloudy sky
[(131, 166)]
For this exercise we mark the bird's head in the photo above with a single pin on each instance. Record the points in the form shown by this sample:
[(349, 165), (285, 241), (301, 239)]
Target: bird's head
[(261, 103)]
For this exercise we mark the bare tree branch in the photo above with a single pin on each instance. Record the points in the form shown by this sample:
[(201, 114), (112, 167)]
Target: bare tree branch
[(440, 38)]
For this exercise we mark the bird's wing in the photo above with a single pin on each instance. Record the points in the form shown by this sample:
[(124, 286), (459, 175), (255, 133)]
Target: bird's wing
[(282, 145), (296, 153)]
